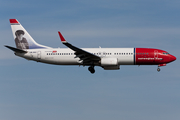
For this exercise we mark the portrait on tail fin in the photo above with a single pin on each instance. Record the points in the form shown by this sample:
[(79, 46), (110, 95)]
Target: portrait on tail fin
[(21, 42)]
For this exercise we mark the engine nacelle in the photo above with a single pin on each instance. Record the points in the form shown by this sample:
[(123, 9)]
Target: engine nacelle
[(109, 63)]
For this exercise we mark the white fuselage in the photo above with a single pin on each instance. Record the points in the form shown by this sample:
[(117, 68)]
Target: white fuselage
[(66, 56)]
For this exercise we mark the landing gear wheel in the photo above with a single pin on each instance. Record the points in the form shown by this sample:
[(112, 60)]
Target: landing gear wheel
[(158, 69), (91, 69)]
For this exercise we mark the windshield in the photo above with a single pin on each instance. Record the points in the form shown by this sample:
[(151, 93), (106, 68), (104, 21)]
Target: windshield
[(165, 53)]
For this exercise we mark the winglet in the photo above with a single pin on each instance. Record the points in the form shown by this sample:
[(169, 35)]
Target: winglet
[(62, 38)]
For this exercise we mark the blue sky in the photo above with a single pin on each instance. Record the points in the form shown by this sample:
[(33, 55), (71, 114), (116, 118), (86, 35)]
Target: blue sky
[(31, 90)]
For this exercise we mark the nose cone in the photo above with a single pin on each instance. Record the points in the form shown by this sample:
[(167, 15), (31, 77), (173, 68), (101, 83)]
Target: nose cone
[(172, 58)]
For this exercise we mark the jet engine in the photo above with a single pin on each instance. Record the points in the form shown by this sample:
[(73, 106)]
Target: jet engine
[(109, 63)]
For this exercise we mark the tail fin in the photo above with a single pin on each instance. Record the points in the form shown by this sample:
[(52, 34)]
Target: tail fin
[(22, 38)]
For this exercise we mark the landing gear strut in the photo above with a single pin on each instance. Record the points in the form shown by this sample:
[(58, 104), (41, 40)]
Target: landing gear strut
[(158, 69), (91, 69)]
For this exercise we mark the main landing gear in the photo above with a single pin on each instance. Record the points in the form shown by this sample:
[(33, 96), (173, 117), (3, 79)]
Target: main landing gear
[(91, 69)]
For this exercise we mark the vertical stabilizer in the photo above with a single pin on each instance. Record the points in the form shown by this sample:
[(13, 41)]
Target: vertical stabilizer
[(22, 38)]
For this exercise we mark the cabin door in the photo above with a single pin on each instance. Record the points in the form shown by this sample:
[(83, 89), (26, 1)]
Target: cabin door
[(155, 55), (39, 54)]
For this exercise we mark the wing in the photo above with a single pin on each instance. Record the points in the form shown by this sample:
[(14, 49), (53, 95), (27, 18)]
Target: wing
[(85, 56)]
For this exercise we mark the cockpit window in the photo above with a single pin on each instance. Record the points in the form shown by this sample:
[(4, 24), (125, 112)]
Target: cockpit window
[(165, 53)]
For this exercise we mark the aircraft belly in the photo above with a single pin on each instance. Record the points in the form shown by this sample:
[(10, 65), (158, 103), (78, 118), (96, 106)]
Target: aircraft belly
[(67, 61), (126, 60)]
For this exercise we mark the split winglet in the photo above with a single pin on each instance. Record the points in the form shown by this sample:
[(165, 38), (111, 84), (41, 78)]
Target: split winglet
[(62, 38)]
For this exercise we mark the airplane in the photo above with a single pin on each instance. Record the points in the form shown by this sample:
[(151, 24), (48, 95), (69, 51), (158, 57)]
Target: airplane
[(107, 58)]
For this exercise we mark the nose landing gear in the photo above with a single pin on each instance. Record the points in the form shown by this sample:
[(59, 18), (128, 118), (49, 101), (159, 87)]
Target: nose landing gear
[(91, 69), (158, 69)]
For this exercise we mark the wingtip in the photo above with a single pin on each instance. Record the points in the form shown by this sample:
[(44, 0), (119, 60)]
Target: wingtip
[(61, 37), (5, 46)]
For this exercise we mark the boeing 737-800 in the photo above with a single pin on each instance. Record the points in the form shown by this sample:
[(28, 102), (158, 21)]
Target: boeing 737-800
[(107, 58)]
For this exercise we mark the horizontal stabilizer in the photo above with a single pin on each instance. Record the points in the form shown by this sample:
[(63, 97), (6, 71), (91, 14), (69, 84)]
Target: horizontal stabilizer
[(16, 49)]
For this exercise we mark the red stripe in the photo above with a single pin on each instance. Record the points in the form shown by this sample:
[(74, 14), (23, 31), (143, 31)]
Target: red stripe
[(13, 21)]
